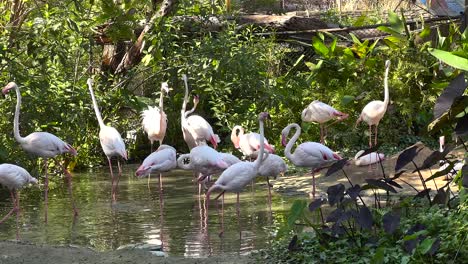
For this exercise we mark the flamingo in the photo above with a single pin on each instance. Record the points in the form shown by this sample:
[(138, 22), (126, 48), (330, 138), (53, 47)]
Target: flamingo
[(248, 144), (14, 177), (237, 176), (154, 120), (321, 113), (162, 160), (311, 155), (374, 111), (368, 159), (111, 141), (41, 144), (196, 130), (272, 166)]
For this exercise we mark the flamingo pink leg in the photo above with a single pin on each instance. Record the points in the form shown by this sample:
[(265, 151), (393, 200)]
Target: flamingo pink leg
[(238, 206), (46, 191), (321, 134), (160, 182), (12, 209), (222, 216), (375, 139), (370, 136), (69, 186), (112, 176), (269, 192)]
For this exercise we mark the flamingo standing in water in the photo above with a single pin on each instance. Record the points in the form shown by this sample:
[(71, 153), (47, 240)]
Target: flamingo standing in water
[(155, 121), (196, 130), (311, 155), (248, 144), (14, 178), (237, 176), (272, 166), (374, 111), (162, 160), (41, 144), (111, 141), (321, 113)]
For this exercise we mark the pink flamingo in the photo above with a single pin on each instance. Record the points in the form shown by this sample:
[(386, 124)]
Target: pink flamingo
[(41, 144), (154, 120), (237, 176), (272, 166), (368, 159), (249, 144), (374, 111), (321, 113), (111, 141), (196, 130), (14, 177), (309, 154), (162, 160)]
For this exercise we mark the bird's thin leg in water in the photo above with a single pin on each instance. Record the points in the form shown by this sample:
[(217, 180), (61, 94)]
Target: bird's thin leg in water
[(375, 139), (112, 177), (238, 206), (16, 199), (321, 134), (160, 182), (269, 193), (118, 176), (69, 186), (313, 183), (161, 215), (370, 136), (12, 209), (46, 191)]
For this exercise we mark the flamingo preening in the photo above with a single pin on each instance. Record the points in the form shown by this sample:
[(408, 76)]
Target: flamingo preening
[(248, 144), (111, 142), (162, 160), (14, 178), (41, 144), (368, 159), (374, 111), (321, 113), (311, 155), (154, 120), (196, 130), (237, 176)]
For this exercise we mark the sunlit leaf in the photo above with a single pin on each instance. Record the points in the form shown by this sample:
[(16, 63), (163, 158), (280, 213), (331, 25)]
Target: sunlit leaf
[(450, 59), (440, 173)]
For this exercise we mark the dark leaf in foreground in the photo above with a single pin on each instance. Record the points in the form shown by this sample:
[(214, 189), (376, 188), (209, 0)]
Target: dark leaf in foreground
[(381, 185), (354, 191), (410, 245), (441, 197), (337, 229), (364, 218), (315, 204), (293, 245), (455, 89), (394, 183), (398, 174), (441, 173), (407, 156), (435, 247), (335, 193), (369, 150), (336, 166), (465, 176), (435, 157), (391, 221), (335, 215), (422, 194), (462, 126)]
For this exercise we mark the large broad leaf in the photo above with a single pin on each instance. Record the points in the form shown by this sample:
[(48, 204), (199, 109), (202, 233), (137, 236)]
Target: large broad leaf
[(319, 47), (336, 166), (407, 156), (441, 173), (435, 157), (426, 245), (450, 117), (354, 191), (395, 22), (414, 234), (335, 193), (398, 174), (293, 245), (364, 218), (422, 194), (296, 212), (378, 184), (393, 183), (450, 59), (335, 215), (379, 255), (391, 221), (442, 197), (454, 90), (462, 126)]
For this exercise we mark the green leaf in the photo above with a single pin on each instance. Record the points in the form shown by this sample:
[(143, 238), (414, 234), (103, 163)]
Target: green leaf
[(426, 245), (414, 235), (395, 22), (450, 59), (319, 46), (296, 211), (378, 256), (355, 39), (347, 99)]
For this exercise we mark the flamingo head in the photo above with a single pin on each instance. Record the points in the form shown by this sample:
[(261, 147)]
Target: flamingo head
[(165, 87), (263, 116), (387, 64), (8, 87), (143, 170), (90, 82), (71, 150), (196, 99), (33, 180)]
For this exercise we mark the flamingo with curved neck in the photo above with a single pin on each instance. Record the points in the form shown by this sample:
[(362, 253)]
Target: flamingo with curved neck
[(311, 155), (249, 144), (41, 144), (111, 142)]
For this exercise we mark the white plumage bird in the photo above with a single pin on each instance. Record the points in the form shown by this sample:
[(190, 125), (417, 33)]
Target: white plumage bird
[(248, 144), (368, 159), (154, 119), (161, 160)]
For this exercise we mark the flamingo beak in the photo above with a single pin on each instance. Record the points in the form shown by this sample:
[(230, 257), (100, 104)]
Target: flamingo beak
[(283, 140), (282, 174), (142, 171)]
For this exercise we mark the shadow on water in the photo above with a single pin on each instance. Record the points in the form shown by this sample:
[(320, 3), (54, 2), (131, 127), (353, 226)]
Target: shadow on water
[(136, 216)]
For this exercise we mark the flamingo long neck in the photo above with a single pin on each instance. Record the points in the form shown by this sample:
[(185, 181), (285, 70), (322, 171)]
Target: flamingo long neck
[(184, 104), (187, 113), (386, 93), (287, 150), (96, 108), (259, 159), (161, 100), (16, 132)]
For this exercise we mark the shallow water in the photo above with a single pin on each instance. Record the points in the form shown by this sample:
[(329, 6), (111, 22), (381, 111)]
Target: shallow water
[(139, 216)]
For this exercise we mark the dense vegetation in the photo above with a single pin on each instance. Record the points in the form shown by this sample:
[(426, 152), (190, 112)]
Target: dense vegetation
[(50, 49)]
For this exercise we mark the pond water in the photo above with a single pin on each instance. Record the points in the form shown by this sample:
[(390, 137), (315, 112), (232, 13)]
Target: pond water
[(144, 215)]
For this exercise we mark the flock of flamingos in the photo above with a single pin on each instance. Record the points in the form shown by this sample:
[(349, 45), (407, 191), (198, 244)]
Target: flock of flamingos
[(203, 160)]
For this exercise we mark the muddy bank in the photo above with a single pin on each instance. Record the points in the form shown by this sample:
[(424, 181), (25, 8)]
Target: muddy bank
[(21, 252)]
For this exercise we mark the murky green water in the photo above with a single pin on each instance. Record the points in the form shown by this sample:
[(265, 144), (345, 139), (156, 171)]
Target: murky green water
[(141, 215)]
